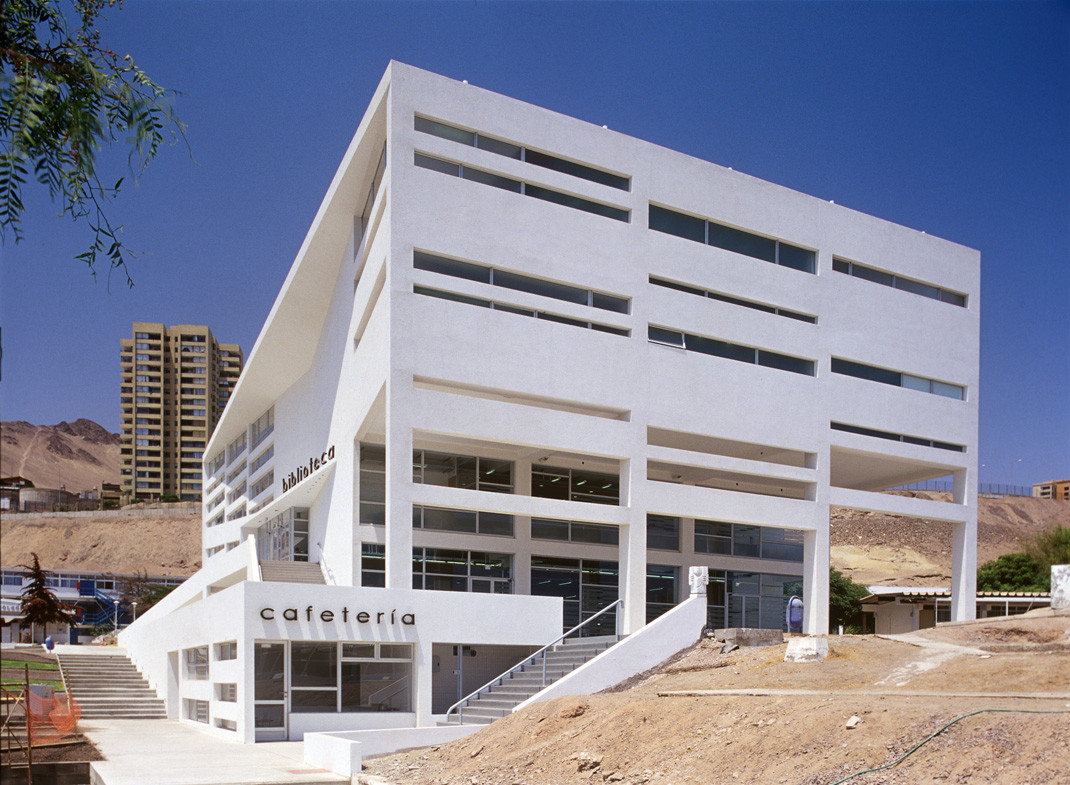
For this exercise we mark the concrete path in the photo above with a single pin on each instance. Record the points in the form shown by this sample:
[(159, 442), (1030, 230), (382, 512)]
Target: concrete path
[(169, 752), (760, 691)]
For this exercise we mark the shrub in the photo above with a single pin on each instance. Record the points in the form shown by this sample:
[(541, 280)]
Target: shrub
[(1013, 572)]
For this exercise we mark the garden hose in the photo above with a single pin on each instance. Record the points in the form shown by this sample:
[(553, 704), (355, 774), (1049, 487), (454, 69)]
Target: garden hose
[(940, 730)]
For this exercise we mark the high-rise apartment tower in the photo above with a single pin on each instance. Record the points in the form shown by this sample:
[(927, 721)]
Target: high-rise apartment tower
[(175, 383)]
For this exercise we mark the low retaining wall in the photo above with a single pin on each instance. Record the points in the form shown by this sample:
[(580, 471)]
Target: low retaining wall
[(343, 752)]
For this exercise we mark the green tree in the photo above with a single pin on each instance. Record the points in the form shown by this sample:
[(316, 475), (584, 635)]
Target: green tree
[(1013, 572), (140, 589), (64, 97), (845, 601), (39, 604), (1051, 547)]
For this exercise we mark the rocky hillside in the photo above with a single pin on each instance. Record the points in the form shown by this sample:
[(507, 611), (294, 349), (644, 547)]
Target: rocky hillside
[(156, 541), (890, 550), (78, 455)]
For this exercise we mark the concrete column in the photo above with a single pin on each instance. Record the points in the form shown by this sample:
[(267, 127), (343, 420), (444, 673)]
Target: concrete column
[(398, 482), (522, 530), (816, 581), (964, 552), (632, 578)]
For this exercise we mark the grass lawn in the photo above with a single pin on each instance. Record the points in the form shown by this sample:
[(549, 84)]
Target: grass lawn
[(48, 666), (12, 684)]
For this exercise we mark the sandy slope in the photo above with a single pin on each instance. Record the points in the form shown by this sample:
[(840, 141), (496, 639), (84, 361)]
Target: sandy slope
[(156, 542), (650, 733), (888, 549), (79, 455)]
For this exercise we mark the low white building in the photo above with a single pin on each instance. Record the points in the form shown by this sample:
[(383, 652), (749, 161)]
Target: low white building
[(523, 367)]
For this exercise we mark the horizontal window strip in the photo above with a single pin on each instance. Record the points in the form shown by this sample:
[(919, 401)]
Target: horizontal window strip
[(466, 172), (897, 378), (496, 306), (520, 153), (473, 271), (730, 351), (802, 317), (896, 437), (707, 232), (898, 282)]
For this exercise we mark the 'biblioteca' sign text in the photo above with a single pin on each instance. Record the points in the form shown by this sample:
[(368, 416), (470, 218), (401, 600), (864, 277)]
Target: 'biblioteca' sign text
[(301, 472)]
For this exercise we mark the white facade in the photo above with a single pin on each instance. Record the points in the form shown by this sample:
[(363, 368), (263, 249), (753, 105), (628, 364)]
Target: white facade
[(499, 302)]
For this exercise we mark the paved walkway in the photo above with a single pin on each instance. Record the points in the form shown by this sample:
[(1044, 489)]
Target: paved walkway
[(169, 752), (1054, 696)]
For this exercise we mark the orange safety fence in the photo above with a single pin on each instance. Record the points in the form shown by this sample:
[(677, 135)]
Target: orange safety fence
[(52, 719)]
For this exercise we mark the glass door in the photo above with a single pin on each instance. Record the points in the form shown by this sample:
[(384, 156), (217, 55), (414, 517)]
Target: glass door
[(269, 692)]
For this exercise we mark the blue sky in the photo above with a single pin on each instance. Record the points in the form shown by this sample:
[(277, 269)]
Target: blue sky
[(948, 117)]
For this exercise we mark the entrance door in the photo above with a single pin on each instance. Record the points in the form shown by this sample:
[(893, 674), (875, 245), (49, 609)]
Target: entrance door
[(269, 692)]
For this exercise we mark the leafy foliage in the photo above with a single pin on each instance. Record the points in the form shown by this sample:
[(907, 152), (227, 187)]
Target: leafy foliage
[(1051, 547), (39, 604), (63, 97), (845, 601), (1013, 572), (141, 589)]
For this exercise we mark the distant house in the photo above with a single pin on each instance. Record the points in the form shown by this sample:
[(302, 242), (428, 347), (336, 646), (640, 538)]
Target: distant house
[(1052, 489), (9, 491), (891, 610)]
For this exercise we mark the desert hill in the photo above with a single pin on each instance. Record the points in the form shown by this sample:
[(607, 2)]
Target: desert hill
[(871, 548), (154, 541), (874, 548), (78, 455)]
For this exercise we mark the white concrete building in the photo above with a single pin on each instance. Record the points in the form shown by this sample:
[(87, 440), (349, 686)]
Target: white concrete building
[(524, 366)]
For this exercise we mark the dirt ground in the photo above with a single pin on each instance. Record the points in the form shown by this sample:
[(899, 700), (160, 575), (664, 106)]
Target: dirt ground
[(900, 692)]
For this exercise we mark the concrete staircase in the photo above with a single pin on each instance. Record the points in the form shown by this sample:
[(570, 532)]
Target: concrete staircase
[(291, 572), (108, 686), (500, 699)]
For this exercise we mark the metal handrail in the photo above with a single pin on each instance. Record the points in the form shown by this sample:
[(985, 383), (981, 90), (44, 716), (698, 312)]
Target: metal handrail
[(459, 705)]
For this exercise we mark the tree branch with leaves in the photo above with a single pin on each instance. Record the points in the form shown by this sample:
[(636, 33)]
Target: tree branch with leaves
[(63, 98)]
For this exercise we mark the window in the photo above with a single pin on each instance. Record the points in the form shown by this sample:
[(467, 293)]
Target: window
[(898, 282), (574, 531), (372, 506), (662, 532), (700, 230), (516, 186), (441, 569), (372, 564), (197, 663), (197, 710), (236, 447), (226, 692), (471, 521), (216, 463), (226, 724), (262, 484), (236, 494), (350, 677), (226, 651), (284, 537), (373, 190), (896, 437), (262, 428), (576, 485), (517, 281), (739, 539), (897, 378), (730, 351), (496, 306), (517, 152), (802, 317), (461, 471), (262, 458), (661, 589)]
